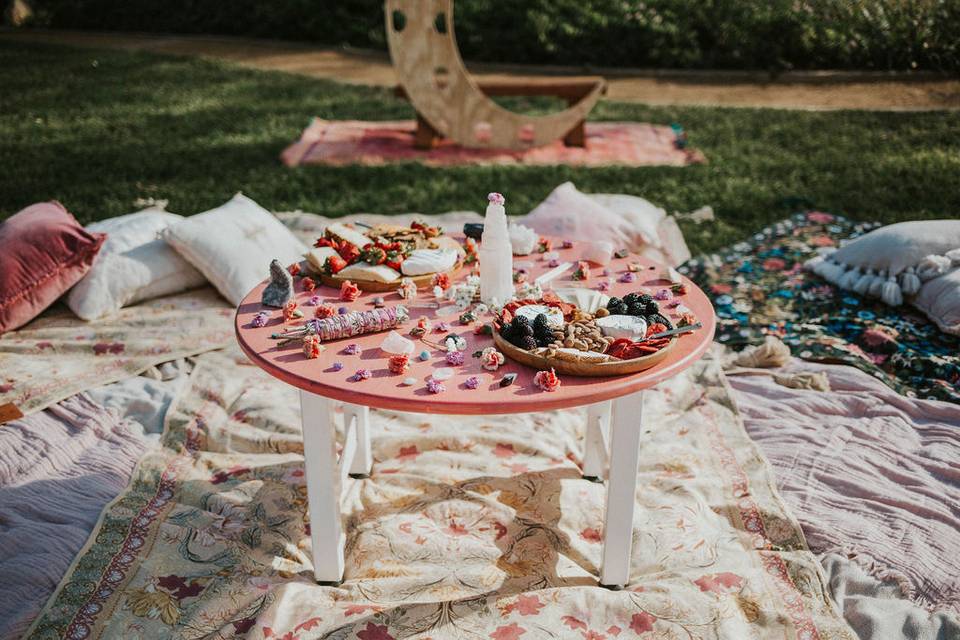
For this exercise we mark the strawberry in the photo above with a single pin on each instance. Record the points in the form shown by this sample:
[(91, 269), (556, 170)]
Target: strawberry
[(349, 252), (334, 264)]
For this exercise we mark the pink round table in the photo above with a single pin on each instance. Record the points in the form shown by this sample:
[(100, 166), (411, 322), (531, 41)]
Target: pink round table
[(614, 413)]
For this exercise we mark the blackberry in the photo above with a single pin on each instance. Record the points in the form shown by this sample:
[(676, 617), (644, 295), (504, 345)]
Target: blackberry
[(540, 323), (506, 330), (657, 317), (636, 309), (617, 307), (651, 307), (526, 342), (544, 341), (614, 302), (630, 298), (521, 326)]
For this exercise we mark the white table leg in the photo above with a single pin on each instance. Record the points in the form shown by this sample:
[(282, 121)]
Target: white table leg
[(323, 487), (595, 449), (621, 489), (363, 458)]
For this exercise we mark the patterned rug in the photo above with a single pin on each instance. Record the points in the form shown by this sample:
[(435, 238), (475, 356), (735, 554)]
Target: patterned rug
[(467, 528), (758, 287), (629, 144)]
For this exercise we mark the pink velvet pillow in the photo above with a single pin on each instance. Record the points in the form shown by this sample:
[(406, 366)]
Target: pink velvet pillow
[(43, 252)]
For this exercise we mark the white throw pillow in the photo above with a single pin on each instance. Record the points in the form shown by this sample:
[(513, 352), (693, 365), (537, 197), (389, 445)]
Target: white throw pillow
[(233, 245), (569, 214), (134, 264), (939, 298), (890, 262)]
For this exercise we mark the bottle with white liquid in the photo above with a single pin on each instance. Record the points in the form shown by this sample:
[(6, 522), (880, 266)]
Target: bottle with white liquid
[(496, 254)]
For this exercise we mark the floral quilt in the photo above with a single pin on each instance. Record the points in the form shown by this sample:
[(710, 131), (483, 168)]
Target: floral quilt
[(58, 355), (758, 287), (470, 528)]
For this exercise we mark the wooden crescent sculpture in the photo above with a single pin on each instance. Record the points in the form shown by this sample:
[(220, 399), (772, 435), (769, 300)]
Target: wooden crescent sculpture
[(425, 55)]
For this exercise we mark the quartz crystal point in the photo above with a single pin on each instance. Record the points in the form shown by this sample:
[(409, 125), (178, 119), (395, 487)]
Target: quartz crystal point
[(496, 254), (396, 343)]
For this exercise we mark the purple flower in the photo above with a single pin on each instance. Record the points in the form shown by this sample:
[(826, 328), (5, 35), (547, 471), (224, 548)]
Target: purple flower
[(473, 382), (337, 366), (663, 294), (352, 349), (435, 387), (260, 320), (361, 374), (455, 358), (313, 301), (627, 277)]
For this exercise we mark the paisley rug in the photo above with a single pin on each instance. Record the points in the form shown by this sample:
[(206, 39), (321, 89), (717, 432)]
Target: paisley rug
[(341, 142), (758, 287), (467, 528)]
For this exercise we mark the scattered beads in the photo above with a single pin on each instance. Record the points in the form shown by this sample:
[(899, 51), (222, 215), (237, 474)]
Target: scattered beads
[(361, 374), (434, 386), (352, 349), (398, 364), (260, 320), (454, 358), (547, 380), (378, 302), (473, 382)]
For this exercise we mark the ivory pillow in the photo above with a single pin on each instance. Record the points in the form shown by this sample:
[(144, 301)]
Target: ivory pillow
[(939, 298), (568, 213), (891, 262), (134, 264), (233, 245)]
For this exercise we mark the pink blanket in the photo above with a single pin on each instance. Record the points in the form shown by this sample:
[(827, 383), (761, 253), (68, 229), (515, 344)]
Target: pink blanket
[(58, 469), (870, 474)]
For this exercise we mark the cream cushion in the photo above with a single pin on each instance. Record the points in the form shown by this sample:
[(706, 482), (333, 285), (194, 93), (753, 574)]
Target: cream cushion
[(626, 221), (233, 244), (134, 264), (939, 299)]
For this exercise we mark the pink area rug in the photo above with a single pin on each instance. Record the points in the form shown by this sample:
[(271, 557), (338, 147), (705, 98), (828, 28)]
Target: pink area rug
[(340, 142)]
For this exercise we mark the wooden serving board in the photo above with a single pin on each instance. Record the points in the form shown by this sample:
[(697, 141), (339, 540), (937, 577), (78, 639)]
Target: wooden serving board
[(374, 286), (589, 369)]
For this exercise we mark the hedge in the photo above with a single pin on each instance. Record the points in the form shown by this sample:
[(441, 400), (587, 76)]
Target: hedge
[(688, 34)]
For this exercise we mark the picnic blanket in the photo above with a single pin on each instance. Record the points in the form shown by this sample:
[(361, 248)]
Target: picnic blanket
[(341, 142), (758, 287), (473, 527)]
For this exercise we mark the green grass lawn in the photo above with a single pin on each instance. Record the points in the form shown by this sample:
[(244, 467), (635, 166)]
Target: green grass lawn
[(99, 129)]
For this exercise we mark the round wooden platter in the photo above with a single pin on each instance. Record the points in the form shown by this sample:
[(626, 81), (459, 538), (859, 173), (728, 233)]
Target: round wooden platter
[(588, 369), (374, 286)]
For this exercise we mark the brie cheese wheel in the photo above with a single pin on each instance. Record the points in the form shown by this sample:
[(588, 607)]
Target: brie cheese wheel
[(423, 261), (354, 237), (531, 311), (317, 257), (367, 271), (632, 327)]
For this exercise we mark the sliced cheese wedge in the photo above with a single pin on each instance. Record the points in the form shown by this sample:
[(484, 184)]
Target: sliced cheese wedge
[(424, 261), (633, 327), (367, 271), (317, 257), (343, 232)]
